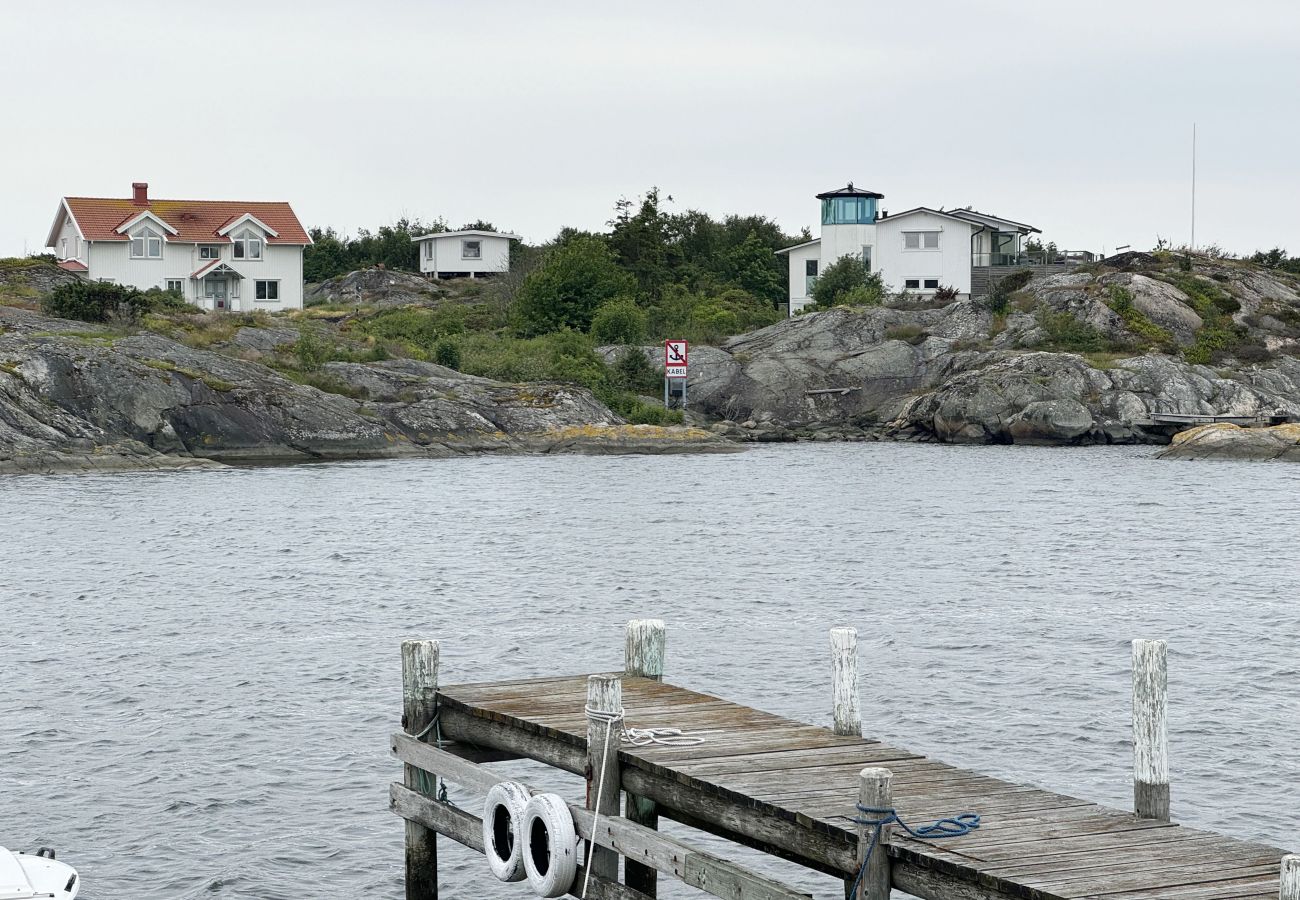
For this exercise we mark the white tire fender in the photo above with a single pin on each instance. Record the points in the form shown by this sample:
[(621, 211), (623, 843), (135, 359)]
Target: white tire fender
[(503, 830), (549, 845)]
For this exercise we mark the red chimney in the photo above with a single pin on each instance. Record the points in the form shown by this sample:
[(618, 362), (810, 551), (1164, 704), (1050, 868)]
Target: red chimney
[(140, 193)]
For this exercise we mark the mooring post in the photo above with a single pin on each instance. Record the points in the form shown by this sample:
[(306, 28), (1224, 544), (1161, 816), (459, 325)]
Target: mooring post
[(604, 734), (643, 656), (1290, 880), (844, 681), (1150, 730), (419, 706), (875, 792), (644, 648)]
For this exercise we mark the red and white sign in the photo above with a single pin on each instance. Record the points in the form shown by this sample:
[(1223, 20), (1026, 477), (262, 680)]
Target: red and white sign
[(675, 359)]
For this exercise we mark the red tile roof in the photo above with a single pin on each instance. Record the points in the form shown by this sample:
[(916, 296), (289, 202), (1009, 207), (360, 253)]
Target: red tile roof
[(72, 265), (194, 220)]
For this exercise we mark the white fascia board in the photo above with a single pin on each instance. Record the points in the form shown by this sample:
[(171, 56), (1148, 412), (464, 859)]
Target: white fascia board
[(136, 220), (245, 219)]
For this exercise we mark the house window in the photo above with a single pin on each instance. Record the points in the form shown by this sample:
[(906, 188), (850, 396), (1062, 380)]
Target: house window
[(866, 256), (471, 249), (917, 240), (268, 290), (176, 285), (428, 249), (912, 284), (810, 268), (210, 251), (248, 245), (63, 252), (146, 244), (931, 284)]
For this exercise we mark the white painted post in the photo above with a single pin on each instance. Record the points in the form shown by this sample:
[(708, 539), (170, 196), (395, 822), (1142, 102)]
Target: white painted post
[(644, 648), (876, 790), (643, 656), (1290, 879), (419, 705), (844, 681), (1150, 730), (604, 734)]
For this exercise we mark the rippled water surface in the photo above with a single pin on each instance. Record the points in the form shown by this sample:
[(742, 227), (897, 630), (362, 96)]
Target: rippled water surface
[(200, 669)]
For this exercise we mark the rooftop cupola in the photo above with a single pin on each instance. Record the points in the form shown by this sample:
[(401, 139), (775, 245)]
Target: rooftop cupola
[(849, 206)]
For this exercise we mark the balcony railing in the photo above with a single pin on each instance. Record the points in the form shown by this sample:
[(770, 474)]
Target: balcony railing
[(1034, 258)]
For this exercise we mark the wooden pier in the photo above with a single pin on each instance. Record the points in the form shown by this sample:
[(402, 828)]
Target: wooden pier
[(792, 789)]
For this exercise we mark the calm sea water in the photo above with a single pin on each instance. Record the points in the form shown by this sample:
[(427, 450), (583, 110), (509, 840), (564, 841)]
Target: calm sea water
[(200, 670)]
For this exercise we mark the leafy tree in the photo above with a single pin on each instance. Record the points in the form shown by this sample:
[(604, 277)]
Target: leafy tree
[(390, 245), (620, 321), (643, 241), (572, 282), (446, 352), (754, 266), (847, 281)]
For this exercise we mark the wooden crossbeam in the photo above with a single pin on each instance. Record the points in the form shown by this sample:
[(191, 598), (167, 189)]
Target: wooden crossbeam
[(711, 874)]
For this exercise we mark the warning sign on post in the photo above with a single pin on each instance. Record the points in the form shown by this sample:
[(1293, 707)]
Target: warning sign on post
[(675, 359)]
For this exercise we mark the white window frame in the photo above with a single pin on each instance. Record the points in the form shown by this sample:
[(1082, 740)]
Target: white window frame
[(478, 248), (244, 241), (209, 251), (926, 287), (146, 235), (909, 286), (180, 285), (428, 249), (922, 239), (63, 244), (266, 286)]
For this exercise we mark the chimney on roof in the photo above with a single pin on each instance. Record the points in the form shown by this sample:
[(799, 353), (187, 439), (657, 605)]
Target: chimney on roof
[(140, 193)]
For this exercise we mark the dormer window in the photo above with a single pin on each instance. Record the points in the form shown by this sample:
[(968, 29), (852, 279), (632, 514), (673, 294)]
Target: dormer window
[(248, 245), (146, 244)]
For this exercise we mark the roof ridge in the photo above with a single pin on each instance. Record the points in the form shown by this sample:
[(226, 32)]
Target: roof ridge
[(153, 200)]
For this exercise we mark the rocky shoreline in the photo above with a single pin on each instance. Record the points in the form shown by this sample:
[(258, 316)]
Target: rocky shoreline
[(1088, 357), (81, 397)]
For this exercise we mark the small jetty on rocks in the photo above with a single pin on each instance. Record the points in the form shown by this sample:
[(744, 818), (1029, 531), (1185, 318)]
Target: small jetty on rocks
[(830, 799)]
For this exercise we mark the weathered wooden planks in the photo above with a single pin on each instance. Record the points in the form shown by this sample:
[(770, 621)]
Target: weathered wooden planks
[(789, 789)]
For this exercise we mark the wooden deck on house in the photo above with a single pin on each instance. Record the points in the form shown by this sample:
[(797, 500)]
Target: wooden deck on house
[(789, 788)]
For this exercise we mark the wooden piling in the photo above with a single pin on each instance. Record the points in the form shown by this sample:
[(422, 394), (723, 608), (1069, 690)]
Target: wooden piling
[(844, 681), (604, 735), (419, 706), (1150, 730), (875, 790), (1290, 881), (643, 656), (644, 648)]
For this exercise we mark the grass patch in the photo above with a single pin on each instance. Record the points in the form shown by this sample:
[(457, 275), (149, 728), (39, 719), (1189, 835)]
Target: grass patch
[(1120, 299), (911, 334), (1219, 336), (1067, 334), (323, 381)]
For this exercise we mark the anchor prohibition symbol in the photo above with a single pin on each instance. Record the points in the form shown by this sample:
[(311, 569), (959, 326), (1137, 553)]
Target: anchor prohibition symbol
[(675, 354)]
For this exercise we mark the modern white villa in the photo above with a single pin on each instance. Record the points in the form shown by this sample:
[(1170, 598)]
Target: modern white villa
[(217, 254), (458, 254), (919, 251)]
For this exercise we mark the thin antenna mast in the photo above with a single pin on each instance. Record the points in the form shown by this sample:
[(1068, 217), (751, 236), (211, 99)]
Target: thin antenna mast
[(1193, 185)]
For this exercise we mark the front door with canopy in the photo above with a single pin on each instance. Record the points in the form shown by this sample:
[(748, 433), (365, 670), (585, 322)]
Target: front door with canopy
[(219, 287)]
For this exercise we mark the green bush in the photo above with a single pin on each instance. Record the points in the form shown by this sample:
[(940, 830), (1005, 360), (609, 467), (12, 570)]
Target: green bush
[(1070, 335), (634, 372), (999, 298), (620, 321), (419, 329), (96, 302), (312, 350), (574, 280), (847, 281), (446, 352)]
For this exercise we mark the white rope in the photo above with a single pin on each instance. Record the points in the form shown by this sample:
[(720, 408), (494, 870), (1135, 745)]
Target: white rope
[(637, 737), (609, 718)]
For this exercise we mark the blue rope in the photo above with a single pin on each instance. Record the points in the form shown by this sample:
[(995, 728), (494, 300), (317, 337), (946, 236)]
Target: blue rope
[(963, 823)]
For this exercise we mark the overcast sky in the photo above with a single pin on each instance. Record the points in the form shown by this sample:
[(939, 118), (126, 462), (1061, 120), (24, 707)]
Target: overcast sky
[(1074, 117)]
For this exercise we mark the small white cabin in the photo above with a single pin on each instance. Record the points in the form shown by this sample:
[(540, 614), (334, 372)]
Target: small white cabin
[(455, 254)]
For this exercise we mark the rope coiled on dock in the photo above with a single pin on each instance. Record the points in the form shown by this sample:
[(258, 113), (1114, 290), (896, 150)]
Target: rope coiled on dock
[(645, 737), (956, 826)]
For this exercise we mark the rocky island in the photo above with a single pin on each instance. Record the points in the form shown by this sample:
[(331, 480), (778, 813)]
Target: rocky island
[(1085, 357)]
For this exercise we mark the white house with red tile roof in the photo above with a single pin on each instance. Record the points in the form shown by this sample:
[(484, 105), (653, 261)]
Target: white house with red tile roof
[(218, 254)]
